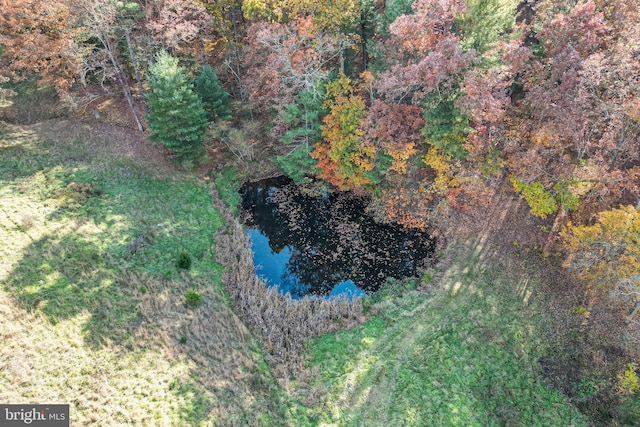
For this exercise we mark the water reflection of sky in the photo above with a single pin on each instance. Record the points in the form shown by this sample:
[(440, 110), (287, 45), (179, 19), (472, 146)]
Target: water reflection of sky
[(273, 268), (326, 245)]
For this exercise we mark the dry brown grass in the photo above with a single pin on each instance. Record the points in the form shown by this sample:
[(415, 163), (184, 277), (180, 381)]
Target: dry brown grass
[(102, 139), (283, 324)]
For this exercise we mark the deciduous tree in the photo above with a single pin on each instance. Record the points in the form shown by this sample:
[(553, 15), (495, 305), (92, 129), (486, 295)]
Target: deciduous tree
[(40, 37), (284, 60), (327, 14), (607, 255), (579, 102), (342, 157), (183, 27), (101, 26), (394, 130)]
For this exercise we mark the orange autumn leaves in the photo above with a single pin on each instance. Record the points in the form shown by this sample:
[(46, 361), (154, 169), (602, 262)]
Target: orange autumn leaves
[(40, 36), (342, 158), (362, 146), (355, 139)]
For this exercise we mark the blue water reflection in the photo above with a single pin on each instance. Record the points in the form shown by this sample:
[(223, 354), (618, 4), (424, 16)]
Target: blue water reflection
[(274, 269), (327, 245)]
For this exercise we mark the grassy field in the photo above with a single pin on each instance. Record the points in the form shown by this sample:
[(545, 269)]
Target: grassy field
[(92, 302), (93, 312), (465, 354)]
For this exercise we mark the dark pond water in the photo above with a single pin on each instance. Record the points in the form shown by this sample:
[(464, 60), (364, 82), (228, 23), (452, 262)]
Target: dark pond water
[(325, 245)]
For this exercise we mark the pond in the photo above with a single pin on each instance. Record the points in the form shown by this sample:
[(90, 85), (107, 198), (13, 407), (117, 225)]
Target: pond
[(326, 245)]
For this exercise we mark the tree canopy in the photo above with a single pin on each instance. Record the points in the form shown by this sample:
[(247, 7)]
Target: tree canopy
[(421, 105)]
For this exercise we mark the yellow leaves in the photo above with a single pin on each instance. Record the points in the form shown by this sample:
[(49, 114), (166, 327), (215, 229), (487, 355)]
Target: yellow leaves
[(544, 137), (259, 9), (541, 201), (629, 382), (348, 158), (338, 90), (364, 158), (214, 45), (367, 78), (580, 188), (331, 14), (445, 172), (607, 252), (437, 161), (400, 157)]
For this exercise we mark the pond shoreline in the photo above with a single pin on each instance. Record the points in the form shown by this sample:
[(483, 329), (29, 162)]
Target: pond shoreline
[(283, 324)]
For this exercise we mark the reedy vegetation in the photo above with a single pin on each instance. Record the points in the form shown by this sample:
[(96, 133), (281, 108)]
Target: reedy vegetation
[(92, 302), (285, 325)]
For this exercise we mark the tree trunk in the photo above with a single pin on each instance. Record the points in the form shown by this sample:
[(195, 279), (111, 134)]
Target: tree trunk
[(125, 87), (557, 223), (236, 53), (363, 35), (134, 62)]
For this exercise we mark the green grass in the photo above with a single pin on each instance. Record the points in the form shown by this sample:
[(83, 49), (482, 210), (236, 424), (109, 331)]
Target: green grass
[(137, 223), (92, 313), (227, 184), (92, 306), (467, 354)]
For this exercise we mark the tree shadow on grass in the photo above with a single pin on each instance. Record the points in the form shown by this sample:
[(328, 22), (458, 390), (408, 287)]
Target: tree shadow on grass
[(77, 261), (466, 355), (71, 273), (65, 276)]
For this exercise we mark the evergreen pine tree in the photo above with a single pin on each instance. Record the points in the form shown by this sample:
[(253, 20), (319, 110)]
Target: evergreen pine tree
[(304, 116), (215, 99), (176, 117), (446, 127)]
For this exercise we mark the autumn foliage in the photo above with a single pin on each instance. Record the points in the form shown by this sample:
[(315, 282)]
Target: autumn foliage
[(420, 105), (39, 37), (607, 254), (343, 158)]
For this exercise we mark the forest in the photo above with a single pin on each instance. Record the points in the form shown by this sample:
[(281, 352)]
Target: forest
[(508, 128)]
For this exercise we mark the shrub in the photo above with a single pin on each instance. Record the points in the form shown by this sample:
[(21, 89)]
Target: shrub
[(240, 141), (629, 380), (192, 298), (629, 411), (74, 194), (184, 261), (541, 201)]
